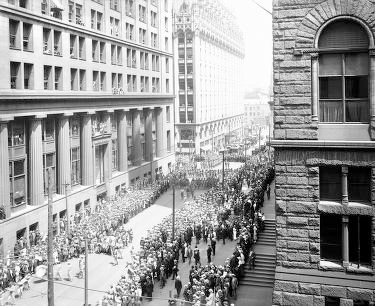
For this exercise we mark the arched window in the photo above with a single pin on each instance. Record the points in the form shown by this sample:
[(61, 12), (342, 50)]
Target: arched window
[(343, 73)]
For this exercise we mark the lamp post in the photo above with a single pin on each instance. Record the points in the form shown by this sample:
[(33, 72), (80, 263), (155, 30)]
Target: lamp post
[(222, 182)]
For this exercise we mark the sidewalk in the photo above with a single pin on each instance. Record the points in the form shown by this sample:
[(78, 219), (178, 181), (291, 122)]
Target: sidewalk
[(252, 295)]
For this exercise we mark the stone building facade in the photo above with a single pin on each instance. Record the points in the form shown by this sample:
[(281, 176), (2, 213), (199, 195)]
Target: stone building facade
[(209, 55), (86, 91), (324, 140)]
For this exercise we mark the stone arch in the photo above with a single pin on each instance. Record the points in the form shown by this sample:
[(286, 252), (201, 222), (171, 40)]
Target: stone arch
[(362, 11)]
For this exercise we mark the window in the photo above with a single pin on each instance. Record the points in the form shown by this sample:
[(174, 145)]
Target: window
[(99, 163), (167, 65), (95, 50), (75, 127), (82, 48), (131, 83), (167, 85), (359, 184), (58, 78), (330, 237), (28, 76), (154, 19), (15, 75), (95, 80), (48, 130), (76, 166), (96, 20), (47, 45), (119, 55), (343, 77), (169, 141), (57, 43), (330, 183), (168, 110), (114, 155), (102, 81), (154, 40), (129, 8), (73, 79), (142, 13), (166, 44), (82, 79), (51, 10), (49, 162), (166, 24), (142, 36), (114, 80), (129, 31), (73, 46), (332, 301), (114, 26), (17, 179), (27, 37), (14, 41), (360, 240), (48, 77), (16, 133), (114, 5), (119, 81), (102, 52), (113, 55)]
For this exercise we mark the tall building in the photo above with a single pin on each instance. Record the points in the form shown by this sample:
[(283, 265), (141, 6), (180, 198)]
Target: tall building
[(324, 140), (209, 55), (86, 92)]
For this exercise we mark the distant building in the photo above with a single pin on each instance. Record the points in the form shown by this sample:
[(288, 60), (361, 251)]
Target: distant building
[(86, 91), (209, 55), (257, 112), (324, 140)]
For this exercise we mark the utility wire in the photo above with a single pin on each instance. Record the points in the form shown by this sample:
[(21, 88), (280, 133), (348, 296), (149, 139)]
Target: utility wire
[(262, 7)]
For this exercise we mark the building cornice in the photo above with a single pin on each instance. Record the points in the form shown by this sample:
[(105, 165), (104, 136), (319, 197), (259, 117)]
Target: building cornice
[(38, 18), (299, 144)]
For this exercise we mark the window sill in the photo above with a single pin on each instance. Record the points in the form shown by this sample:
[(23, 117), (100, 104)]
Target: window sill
[(354, 269), (330, 266), (353, 208)]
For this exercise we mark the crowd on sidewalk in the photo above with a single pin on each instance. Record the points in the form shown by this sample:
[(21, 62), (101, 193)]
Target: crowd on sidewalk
[(206, 218)]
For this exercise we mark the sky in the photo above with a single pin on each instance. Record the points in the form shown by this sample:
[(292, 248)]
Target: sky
[(256, 26)]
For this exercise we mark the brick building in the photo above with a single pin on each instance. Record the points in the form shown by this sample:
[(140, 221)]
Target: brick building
[(86, 90), (324, 140)]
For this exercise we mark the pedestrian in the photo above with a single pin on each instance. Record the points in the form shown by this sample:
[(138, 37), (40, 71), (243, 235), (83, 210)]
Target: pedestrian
[(189, 253), (69, 272), (209, 252), (197, 256), (268, 191), (174, 270), (115, 256), (213, 245), (178, 285), (58, 272)]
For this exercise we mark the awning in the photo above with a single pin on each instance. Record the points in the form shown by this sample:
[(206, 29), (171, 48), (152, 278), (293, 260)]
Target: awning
[(56, 5)]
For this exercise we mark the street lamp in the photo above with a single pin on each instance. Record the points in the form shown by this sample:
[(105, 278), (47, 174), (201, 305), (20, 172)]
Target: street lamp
[(173, 180), (222, 182)]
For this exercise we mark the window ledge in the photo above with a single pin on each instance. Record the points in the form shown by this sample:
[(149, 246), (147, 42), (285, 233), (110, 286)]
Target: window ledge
[(330, 266), (353, 268), (353, 208)]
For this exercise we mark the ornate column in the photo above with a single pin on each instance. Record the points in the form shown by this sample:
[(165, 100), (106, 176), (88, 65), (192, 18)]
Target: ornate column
[(63, 154), (314, 86), (36, 162), (344, 185), (345, 240), (160, 145), (87, 164), (372, 94), (136, 136), (122, 138), (148, 134), (4, 167)]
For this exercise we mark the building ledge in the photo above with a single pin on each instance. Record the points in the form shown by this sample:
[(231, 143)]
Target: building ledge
[(290, 143), (353, 208)]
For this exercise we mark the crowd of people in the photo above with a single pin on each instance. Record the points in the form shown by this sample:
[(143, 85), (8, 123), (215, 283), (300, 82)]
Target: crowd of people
[(208, 219), (105, 231)]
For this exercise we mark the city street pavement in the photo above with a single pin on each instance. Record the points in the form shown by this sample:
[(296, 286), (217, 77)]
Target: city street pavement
[(102, 273)]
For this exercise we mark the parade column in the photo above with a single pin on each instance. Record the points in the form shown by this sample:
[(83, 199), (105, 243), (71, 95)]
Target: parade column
[(160, 150), (86, 151), (122, 141), (4, 167), (63, 154), (136, 136), (148, 134), (36, 161)]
